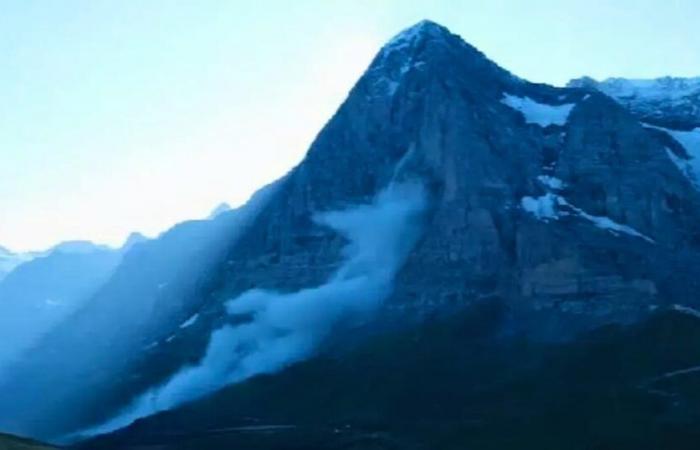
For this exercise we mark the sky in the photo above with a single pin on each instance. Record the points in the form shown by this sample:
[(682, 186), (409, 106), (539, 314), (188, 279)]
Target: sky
[(132, 116)]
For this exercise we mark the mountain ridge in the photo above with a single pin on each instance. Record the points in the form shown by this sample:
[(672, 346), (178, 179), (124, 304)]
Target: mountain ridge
[(667, 101)]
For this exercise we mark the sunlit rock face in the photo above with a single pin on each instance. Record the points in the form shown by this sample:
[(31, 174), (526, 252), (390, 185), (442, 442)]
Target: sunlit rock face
[(557, 201)]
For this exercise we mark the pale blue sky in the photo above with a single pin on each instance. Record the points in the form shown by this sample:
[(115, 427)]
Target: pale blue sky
[(119, 116)]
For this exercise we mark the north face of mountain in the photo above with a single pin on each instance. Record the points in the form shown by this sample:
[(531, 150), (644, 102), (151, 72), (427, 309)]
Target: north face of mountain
[(557, 203)]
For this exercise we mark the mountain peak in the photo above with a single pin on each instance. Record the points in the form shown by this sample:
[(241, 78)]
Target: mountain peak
[(424, 28), (426, 51), (416, 35), (221, 208), (133, 239)]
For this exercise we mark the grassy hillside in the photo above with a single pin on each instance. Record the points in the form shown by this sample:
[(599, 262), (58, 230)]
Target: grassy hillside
[(454, 385)]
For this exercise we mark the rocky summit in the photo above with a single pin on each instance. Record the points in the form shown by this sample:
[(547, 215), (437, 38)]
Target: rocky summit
[(570, 208)]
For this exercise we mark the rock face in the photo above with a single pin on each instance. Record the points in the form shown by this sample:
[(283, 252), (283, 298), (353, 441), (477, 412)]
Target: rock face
[(557, 201)]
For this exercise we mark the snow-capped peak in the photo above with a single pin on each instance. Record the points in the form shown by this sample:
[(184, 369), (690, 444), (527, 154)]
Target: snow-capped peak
[(653, 88), (666, 100)]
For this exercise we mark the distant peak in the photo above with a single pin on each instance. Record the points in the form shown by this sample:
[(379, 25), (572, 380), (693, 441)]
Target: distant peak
[(78, 247), (134, 238), (667, 101), (662, 86), (221, 208), (585, 82)]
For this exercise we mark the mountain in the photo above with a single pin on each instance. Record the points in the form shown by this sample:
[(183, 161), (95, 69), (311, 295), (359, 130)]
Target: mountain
[(670, 101), (10, 260), (221, 208), (42, 291), (668, 107), (78, 247), (442, 183), (132, 240)]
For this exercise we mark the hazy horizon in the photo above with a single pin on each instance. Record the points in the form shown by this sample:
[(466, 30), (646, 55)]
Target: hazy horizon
[(121, 118)]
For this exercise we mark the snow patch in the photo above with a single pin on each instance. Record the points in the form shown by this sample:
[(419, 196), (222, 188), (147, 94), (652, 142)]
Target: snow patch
[(191, 321), (541, 114), (675, 373), (543, 207), (553, 183), (690, 141), (551, 207), (606, 223), (686, 310)]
